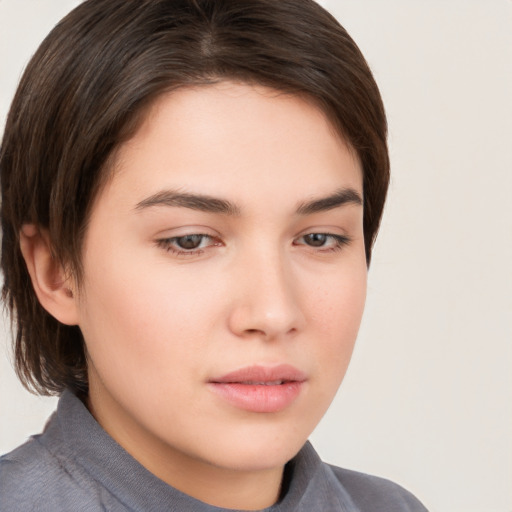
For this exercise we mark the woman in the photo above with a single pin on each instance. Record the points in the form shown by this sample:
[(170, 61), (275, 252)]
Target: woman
[(190, 194)]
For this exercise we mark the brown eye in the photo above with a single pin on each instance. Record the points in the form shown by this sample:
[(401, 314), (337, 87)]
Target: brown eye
[(323, 242), (188, 245), (189, 242), (316, 239)]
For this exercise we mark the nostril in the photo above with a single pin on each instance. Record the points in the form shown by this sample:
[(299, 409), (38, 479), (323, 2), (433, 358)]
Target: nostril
[(254, 331)]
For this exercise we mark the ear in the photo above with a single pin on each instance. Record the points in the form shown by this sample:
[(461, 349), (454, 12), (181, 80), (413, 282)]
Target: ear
[(54, 288)]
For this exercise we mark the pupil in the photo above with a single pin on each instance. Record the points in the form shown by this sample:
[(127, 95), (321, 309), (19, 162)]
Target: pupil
[(189, 241), (316, 239)]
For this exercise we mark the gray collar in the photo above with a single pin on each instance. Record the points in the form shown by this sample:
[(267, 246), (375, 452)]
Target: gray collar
[(73, 434)]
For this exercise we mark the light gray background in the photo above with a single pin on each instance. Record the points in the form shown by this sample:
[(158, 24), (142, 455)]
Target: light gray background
[(427, 401)]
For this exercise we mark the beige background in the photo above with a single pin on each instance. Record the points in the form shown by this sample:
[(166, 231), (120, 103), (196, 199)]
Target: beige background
[(428, 399)]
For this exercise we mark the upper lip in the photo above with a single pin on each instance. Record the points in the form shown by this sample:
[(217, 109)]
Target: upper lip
[(259, 374)]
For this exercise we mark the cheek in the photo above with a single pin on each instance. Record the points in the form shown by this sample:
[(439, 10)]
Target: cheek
[(147, 321), (336, 311)]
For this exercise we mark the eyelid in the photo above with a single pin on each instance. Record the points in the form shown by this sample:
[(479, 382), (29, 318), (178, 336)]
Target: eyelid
[(340, 240), (334, 241), (168, 243)]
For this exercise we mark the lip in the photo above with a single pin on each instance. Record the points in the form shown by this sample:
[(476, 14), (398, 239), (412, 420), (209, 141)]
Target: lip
[(261, 389)]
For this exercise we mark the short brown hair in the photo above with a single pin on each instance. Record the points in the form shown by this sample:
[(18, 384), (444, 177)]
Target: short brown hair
[(85, 90)]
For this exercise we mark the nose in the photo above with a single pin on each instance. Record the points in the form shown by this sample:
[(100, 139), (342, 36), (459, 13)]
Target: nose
[(267, 303)]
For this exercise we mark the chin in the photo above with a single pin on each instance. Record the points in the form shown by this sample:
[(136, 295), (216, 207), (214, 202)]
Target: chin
[(257, 460), (258, 451)]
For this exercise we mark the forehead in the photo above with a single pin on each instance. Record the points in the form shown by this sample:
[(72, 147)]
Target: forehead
[(236, 138)]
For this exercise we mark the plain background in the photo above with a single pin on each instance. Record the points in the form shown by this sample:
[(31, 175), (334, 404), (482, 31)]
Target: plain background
[(427, 401)]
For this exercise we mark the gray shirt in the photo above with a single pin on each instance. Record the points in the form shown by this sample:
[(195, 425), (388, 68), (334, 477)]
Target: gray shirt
[(74, 466)]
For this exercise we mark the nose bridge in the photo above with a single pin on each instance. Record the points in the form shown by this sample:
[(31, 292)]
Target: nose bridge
[(268, 302)]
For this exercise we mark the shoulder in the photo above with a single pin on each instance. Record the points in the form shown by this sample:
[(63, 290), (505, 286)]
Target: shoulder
[(33, 478), (374, 494), (29, 467), (321, 486)]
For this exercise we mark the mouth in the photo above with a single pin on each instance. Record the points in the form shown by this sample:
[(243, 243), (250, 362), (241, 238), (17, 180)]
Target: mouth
[(260, 389), (262, 383)]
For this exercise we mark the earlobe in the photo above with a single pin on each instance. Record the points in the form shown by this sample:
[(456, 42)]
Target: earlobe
[(53, 287)]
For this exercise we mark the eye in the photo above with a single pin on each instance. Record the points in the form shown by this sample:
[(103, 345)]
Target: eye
[(187, 244), (325, 241), (316, 239)]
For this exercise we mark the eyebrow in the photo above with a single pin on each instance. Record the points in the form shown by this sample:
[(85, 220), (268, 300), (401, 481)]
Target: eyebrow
[(339, 198), (209, 204), (199, 202)]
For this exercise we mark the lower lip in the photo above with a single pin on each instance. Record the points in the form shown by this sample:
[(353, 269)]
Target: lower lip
[(258, 398)]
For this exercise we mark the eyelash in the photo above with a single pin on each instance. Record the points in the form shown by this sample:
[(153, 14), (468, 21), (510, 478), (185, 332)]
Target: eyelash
[(339, 241), (169, 244)]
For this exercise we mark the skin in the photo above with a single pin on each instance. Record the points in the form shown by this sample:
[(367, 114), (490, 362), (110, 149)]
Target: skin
[(160, 321)]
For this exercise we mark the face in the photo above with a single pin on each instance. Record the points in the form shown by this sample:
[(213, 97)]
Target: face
[(224, 281)]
